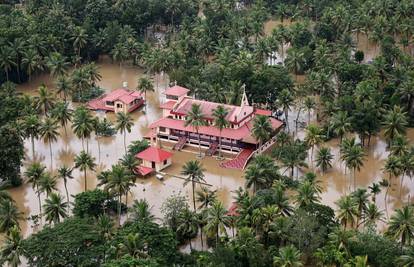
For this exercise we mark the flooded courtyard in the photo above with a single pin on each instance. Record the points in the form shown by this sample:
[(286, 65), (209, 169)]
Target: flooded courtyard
[(334, 182)]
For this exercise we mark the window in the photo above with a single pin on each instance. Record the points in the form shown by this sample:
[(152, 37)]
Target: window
[(163, 129), (109, 103), (165, 162), (153, 164), (119, 105)]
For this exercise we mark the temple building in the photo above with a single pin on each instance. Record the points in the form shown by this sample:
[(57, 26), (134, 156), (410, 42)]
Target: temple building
[(119, 100), (235, 138)]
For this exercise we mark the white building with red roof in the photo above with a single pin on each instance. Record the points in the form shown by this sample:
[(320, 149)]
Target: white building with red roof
[(236, 137), (153, 159), (119, 100)]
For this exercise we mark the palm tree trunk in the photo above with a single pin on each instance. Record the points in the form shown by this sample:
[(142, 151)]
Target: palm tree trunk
[(83, 144), (193, 185), (354, 179), (33, 148), (84, 173), (51, 155), (125, 142), (119, 210), (201, 238), (67, 192), (220, 145), (199, 144), (99, 149), (40, 203)]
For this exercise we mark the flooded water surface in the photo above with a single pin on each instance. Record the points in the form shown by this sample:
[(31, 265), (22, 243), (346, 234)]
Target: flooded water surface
[(335, 182)]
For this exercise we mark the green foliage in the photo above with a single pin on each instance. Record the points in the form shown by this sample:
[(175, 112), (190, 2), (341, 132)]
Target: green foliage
[(381, 251), (74, 242), (93, 204)]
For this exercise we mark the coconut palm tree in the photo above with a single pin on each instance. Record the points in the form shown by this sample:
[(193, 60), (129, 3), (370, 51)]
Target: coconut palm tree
[(401, 225), (255, 177), (62, 114), (9, 216), (57, 64), (130, 162), (361, 198), (82, 123), (217, 220), (145, 85), (285, 101), (324, 158), (193, 170), (281, 201), (65, 173), (49, 133), (205, 197), (353, 156), (140, 211), (33, 173), (288, 256), (262, 128), (220, 122), (407, 259), (124, 123), (310, 104), (295, 61), (306, 194), (55, 208), (393, 167), (45, 100), (195, 119), (372, 215), (79, 39), (119, 184), (64, 86), (7, 59), (12, 248), (84, 162), (32, 61), (47, 183), (347, 210), (340, 124), (313, 137), (374, 189), (188, 224), (31, 128), (395, 123)]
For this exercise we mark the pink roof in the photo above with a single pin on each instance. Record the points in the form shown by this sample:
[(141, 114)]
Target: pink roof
[(143, 170), (236, 134), (263, 112), (235, 113), (154, 154), (168, 105), (123, 95), (176, 90)]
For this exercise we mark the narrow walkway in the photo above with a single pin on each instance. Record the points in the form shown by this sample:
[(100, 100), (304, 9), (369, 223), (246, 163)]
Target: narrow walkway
[(239, 161)]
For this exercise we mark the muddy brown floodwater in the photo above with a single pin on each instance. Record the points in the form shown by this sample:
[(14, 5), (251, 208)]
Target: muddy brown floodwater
[(334, 182)]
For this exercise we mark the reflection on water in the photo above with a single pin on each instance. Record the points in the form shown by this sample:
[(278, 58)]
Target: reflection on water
[(335, 182)]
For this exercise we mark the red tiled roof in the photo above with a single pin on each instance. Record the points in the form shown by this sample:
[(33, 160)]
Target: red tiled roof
[(176, 90), (123, 95), (235, 113), (263, 112), (154, 154), (237, 134), (143, 170), (233, 210), (150, 134), (168, 105)]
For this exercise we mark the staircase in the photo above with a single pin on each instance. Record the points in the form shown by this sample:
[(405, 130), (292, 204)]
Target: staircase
[(239, 162), (180, 143), (212, 149)]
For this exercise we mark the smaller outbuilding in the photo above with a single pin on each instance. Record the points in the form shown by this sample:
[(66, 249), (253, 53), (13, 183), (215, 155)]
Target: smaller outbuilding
[(153, 159)]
